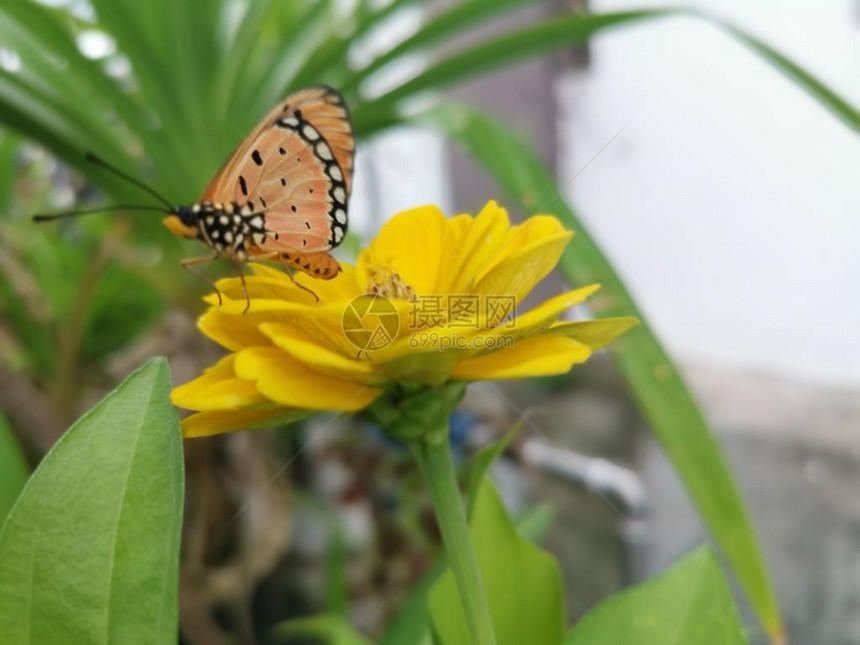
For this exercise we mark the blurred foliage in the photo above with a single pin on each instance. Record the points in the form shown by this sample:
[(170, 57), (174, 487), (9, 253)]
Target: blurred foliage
[(165, 89), (13, 470)]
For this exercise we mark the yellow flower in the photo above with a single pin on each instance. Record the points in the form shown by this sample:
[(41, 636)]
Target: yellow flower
[(431, 300)]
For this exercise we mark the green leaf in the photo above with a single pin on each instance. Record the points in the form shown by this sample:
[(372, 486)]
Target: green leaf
[(522, 582), (90, 552), (411, 624), (843, 110), (13, 469), (657, 385), (482, 461), (689, 603), (330, 629), (542, 37), (445, 24)]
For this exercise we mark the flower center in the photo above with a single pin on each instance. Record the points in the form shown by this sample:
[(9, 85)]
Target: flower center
[(389, 284)]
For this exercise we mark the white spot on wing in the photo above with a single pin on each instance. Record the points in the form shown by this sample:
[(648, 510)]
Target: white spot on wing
[(338, 234), (310, 133), (340, 216), (339, 195), (323, 151), (228, 237), (334, 172)]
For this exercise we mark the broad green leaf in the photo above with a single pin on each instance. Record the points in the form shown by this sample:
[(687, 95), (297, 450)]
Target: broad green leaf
[(522, 583), (657, 385), (325, 629), (90, 552), (689, 603), (13, 469)]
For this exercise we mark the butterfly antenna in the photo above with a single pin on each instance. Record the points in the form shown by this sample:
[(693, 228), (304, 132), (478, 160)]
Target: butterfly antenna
[(50, 217), (137, 182)]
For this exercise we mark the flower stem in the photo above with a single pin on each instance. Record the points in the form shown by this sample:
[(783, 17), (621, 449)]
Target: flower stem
[(433, 453)]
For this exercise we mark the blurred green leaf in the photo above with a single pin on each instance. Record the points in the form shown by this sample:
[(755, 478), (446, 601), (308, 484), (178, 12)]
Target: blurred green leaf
[(13, 469), (655, 381), (483, 460), (837, 105), (327, 629), (336, 562), (454, 20), (410, 625), (507, 49), (9, 145), (522, 582), (556, 32), (689, 603), (535, 521), (123, 306), (90, 553)]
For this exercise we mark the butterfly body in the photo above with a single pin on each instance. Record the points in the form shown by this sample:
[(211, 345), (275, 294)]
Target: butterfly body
[(284, 192), (282, 195), (229, 230)]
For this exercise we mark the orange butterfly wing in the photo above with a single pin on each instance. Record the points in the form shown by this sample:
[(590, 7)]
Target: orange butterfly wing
[(296, 167)]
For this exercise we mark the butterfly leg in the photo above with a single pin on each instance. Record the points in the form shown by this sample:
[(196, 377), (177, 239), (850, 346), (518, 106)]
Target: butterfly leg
[(188, 263), (290, 271), (241, 272)]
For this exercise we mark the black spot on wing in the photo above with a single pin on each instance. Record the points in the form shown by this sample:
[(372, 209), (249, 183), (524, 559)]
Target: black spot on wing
[(258, 159), (243, 185)]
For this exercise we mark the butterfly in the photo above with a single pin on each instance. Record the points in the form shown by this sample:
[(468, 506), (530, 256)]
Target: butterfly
[(282, 195)]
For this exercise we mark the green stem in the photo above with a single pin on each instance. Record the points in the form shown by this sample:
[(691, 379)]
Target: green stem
[(434, 457)]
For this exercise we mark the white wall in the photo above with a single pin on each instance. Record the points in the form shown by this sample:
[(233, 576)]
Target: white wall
[(731, 203)]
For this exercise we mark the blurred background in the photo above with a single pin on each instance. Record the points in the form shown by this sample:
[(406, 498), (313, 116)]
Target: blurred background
[(724, 196)]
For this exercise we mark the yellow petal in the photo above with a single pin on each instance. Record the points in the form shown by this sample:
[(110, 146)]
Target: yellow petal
[(539, 318), (478, 245), (531, 251), (595, 333), (260, 287), (470, 340), (205, 424), (342, 287), (218, 388), (286, 381), (534, 356), (231, 331), (303, 347), (410, 245), (451, 260)]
